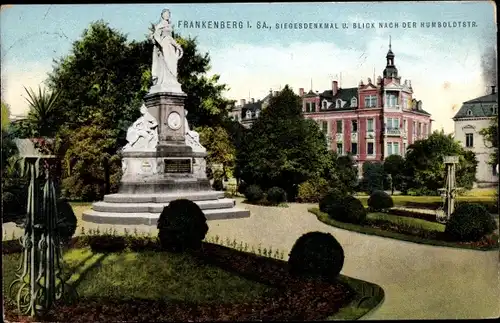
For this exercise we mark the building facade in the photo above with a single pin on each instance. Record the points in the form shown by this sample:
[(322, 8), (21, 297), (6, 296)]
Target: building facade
[(247, 112), (473, 116), (371, 121)]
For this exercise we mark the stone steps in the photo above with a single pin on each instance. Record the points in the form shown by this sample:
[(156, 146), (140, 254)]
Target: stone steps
[(224, 203), (148, 218), (164, 197)]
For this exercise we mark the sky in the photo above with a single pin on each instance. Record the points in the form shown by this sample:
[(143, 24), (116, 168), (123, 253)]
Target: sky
[(446, 66)]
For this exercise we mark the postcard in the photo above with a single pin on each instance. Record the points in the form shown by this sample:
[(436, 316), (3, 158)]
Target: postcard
[(265, 161)]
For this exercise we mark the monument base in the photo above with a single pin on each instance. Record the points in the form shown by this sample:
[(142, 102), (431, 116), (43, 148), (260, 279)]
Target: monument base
[(151, 179), (145, 209)]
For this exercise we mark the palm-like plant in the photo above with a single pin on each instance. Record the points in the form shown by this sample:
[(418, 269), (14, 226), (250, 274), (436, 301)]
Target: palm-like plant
[(43, 113)]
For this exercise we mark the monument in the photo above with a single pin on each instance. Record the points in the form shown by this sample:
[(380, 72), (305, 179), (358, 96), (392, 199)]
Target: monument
[(163, 159)]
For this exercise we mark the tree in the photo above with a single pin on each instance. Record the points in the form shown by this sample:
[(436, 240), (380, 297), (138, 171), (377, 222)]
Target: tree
[(44, 112), (424, 165), (340, 172), (219, 147), (83, 165), (373, 177), (490, 135), (394, 166), (282, 148)]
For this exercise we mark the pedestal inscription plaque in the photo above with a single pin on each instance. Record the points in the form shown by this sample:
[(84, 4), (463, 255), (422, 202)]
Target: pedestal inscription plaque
[(178, 166)]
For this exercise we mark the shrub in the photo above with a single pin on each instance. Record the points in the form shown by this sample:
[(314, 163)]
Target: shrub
[(67, 220), (182, 225), (331, 201), (242, 187), (380, 200), (218, 185), (253, 194), (350, 210), (276, 195), (107, 243), (312, 191), (470, 222), (316, 255)]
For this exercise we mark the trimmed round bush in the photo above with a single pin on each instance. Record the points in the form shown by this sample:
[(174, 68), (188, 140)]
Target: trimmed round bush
[(349, 210), (379, 201), (316, 255), (182, 226), (254, 194), (331, 201), (470, 222), (276, 195)]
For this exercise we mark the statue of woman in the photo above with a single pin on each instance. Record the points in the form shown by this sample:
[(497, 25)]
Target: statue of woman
[(166, 54)]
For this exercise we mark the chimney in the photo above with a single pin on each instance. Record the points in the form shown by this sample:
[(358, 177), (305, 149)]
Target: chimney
[(253, 100), (335, 88), (493, 89), (301, 91), (275, 93), (242, 102)]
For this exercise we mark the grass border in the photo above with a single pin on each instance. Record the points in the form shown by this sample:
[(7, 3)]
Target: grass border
[(365, 291), (323, 217)]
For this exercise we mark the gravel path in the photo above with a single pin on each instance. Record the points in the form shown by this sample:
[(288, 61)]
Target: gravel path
[(420, 282)]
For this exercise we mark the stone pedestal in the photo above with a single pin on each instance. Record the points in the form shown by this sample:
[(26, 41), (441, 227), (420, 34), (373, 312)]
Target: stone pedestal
[(153, 178)]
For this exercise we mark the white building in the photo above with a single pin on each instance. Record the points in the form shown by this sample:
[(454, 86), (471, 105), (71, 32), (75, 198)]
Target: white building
[(473, 116)]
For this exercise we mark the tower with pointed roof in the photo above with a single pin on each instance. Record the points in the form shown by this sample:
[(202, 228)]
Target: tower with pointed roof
[(390, 68)]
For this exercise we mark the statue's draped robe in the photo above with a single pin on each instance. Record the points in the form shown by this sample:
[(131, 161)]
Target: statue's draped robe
[(165, 56)]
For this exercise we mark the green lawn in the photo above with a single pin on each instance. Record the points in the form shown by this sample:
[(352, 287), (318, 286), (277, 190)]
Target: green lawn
[(149, 275), (407, 221)]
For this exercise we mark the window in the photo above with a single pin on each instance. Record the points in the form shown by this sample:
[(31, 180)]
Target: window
[(494, 110), (425, 129), (324, 127), (325, 104), (339, 126), (469, 140), (419, 129), (404, 98), (354, 125), (405, 125), (340, 150), (369, 148), (354, 148), (391, 99), (392, 148), (395, 148), (392, 123), (354, 102), (414, 128), (339, 103), (469, 112), (249, 114), (369, 125), (370, 101), (310, 106)]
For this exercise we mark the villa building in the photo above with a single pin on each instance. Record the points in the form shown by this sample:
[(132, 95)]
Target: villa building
[(371, 121), (473, 116), (247, 112)]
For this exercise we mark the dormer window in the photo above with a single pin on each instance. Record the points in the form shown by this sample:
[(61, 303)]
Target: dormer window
[(325, 105), (469, 112), (257, 113), (354, 102), (249, 114), (339, 103)]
